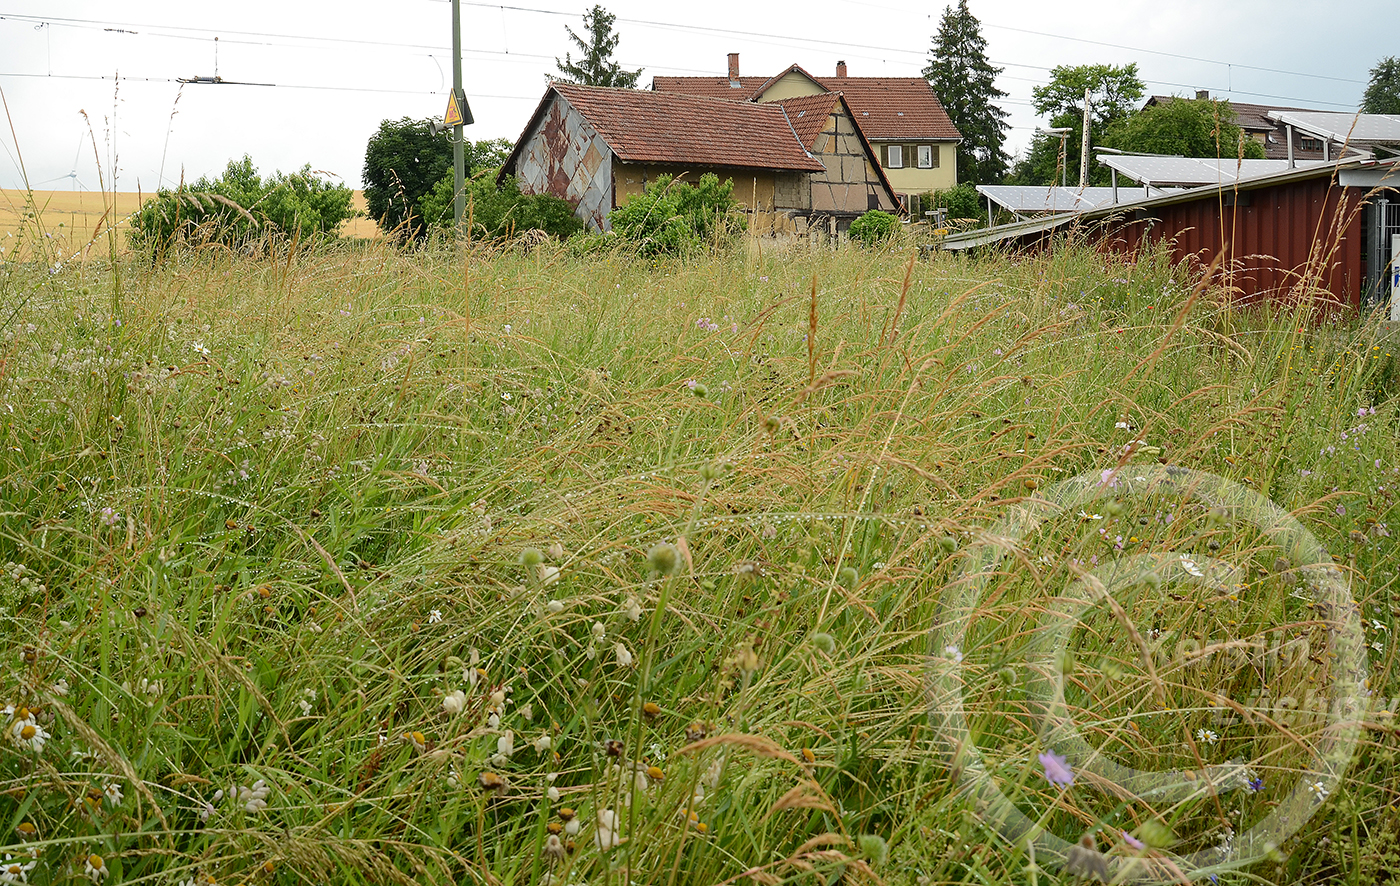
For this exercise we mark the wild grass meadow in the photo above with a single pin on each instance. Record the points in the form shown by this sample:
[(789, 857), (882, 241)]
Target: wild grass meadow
[(494, 566)]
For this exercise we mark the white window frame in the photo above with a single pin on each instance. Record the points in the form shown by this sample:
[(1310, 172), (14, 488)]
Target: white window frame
[(925, 153), (895, 155)]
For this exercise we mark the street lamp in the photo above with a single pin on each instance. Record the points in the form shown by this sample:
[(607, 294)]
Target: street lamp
[(1063, 132)]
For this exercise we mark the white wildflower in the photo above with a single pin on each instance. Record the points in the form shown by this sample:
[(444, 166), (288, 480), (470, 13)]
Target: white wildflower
[(624, 658), (113, 792), (435, 616), (454, 701), (95, 868)]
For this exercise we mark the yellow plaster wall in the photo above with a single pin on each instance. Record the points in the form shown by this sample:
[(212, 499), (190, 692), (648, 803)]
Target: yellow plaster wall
[(790, 85), (912, 180), (748, 188)]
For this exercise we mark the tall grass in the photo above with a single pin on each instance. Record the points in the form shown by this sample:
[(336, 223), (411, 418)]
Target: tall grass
[(357, 566)]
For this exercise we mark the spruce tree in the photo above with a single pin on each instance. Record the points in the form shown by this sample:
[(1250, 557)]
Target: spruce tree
[(965, 83), (595, 66), (1383, 92)]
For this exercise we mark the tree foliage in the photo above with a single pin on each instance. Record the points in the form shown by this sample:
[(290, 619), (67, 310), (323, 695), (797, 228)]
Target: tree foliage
[(595, 66), (501, 211), (1188, 127), (240, 209), (404, 161), (675, 217), (1114, 92), (964, 81), (1382, 94)]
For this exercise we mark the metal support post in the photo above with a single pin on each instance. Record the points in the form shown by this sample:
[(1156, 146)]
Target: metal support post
[(459, 196)]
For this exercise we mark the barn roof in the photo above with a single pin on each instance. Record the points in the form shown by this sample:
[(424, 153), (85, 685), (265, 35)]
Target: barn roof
[(641, 126)]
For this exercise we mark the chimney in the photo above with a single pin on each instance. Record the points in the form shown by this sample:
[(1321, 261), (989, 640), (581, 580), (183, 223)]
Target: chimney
[(841, 69), (733, 69), (1202, 95)]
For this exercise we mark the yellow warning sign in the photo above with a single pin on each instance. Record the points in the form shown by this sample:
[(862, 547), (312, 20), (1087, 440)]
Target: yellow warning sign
[(453, 117)]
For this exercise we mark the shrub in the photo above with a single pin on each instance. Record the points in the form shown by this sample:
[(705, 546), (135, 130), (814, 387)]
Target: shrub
[(240, 209), (875, 226), (961, 202), (676, 217), (501, 211)]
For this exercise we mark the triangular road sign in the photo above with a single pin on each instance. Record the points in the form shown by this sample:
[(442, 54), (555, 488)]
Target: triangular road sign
[(453, 117)]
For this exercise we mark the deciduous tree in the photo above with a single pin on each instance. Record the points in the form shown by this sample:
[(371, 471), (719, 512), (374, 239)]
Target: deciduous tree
[(964, 82), (1198, 127), (1114, 91), (595, 66), (404, 161)]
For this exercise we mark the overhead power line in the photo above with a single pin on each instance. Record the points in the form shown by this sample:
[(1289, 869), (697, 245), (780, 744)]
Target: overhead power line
[(128, 79), (163, 31)]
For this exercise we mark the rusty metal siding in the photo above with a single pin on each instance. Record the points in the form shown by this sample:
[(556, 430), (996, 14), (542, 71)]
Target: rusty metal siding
[(1275, 238), (566, 157)]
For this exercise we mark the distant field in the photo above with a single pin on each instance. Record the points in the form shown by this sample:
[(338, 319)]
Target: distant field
[(73, 218)]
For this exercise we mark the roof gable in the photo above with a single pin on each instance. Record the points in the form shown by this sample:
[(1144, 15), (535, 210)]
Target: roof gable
[(794, 71)]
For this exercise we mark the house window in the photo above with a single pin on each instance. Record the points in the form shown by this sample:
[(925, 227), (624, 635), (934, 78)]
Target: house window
[(1310, 144), (928, 158), (894, 157)]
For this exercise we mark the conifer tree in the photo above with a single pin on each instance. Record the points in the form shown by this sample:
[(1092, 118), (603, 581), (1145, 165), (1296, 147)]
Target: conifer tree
[(1383, 92), (595, 66), (964, 82)]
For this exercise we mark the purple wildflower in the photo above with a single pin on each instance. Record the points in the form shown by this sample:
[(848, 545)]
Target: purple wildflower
[(1256, 784), (1133, 841), (1057, 769)]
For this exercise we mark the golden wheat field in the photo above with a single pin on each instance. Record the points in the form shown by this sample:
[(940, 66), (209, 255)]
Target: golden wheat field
[(77, 220)]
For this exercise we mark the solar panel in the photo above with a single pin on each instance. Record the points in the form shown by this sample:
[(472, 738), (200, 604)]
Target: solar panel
[(1190, 172), (1366, 128), (1040, 198)]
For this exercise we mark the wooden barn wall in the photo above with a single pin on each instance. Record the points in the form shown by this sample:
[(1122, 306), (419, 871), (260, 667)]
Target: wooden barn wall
[(1280, 236)]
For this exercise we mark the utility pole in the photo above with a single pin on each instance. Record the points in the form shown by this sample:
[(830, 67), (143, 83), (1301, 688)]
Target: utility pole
[(1084, 146), (459, 196)]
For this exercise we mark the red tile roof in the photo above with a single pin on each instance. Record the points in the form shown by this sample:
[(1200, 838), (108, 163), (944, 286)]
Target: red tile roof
[(657, 127), (887, 108), (714, 87), (808, 114), (894, 107)]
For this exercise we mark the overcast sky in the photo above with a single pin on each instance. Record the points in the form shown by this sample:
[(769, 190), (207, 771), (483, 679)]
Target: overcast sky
[(340, 68)]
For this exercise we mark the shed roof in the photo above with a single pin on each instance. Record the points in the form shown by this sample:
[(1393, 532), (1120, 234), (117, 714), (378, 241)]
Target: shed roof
[(641, 126)]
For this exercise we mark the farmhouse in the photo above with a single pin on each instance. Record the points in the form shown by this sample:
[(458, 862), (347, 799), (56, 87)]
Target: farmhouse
[(1334, 224), (915, 140), (797, 165)]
